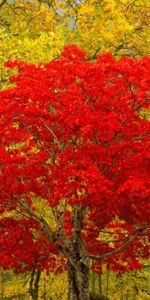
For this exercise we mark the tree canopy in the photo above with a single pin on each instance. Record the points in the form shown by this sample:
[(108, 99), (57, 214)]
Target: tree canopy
[(73, 137)]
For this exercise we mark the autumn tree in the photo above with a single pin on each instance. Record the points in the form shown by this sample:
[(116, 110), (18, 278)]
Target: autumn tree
[(81, 149), (122, 26), (35, 31), (28, 32)]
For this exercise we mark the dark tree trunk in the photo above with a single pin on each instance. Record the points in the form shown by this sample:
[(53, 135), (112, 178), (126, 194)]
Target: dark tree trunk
[(73, 288), (34, 284), (78, 282), (84, 282), (78, 266)]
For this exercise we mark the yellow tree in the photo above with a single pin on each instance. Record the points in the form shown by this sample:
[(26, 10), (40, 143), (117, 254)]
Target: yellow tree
[(120, 26), (29, 31), (38, 29)]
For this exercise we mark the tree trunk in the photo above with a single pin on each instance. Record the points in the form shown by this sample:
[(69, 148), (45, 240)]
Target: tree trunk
[(73, 288), (78, 267), (34, 284), (84, 282), (78, 282), (93, 281), (2, 283)]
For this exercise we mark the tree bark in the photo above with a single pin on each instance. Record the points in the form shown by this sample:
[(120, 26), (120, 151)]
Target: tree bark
[(78, 282), (84, 282), (73, 288), (78, 271), (34, 284)]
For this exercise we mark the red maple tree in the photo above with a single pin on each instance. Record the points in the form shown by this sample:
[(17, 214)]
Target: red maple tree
[(72, 136)]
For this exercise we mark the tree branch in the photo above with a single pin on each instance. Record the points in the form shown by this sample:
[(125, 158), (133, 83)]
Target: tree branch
[(123, 246), (2, 3), (46, 228), (52, 132)]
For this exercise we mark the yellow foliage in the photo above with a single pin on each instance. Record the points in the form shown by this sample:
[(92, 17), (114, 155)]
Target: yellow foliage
[(38, 31), (54, 286), (32, 35), (145, 114), (122, 26)]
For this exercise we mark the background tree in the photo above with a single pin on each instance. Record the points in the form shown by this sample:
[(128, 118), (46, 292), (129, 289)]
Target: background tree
[(28, 32), (36, 31), (118, 26)]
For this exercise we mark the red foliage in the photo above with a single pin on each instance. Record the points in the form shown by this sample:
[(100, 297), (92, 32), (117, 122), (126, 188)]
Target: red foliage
[(78, 137)]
